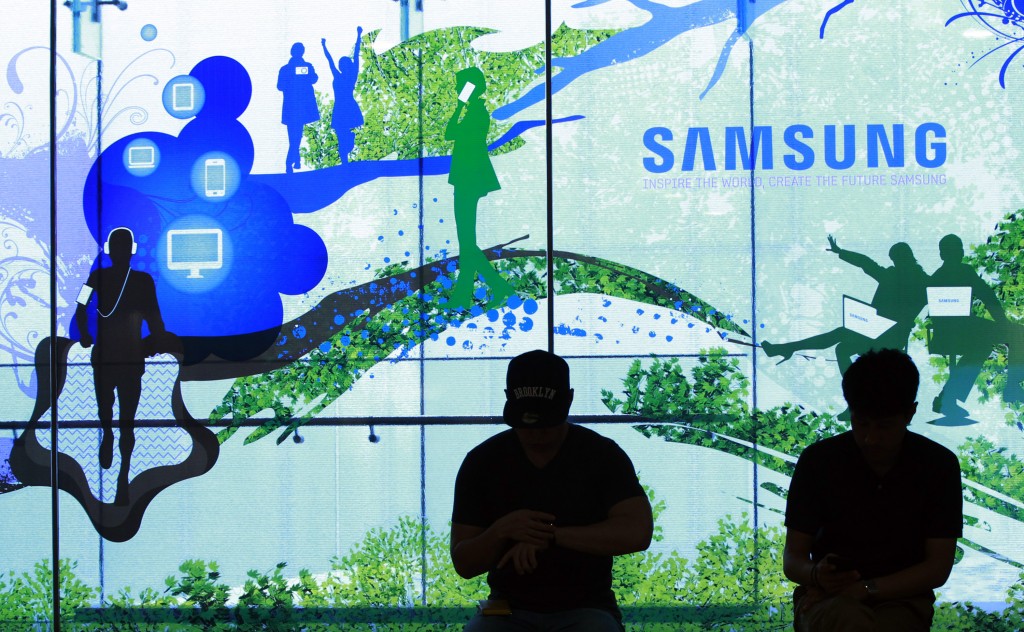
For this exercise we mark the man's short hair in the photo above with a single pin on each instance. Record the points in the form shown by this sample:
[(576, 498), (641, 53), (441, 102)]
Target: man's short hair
[(881, 383)]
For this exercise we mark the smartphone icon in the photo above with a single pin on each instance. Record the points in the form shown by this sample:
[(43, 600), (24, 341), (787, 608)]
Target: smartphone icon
[(184, 97), (301, 70), (467, 91), (216, 176)]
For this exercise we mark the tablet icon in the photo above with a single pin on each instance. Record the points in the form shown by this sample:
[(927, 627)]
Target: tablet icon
[(184, 97)]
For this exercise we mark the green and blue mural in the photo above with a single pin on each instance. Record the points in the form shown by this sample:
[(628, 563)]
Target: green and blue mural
[(265, 255)]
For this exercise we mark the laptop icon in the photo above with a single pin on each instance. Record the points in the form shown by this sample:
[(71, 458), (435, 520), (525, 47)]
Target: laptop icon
[(863, 319), (141, 157), (949, 301)]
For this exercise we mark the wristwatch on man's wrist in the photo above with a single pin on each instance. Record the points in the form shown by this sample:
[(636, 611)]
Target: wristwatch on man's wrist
[(871, 587)]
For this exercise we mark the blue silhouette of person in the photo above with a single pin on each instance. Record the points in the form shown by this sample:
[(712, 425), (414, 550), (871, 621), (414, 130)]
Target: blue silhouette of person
[(124, 299), (295, 80), (346, 116)]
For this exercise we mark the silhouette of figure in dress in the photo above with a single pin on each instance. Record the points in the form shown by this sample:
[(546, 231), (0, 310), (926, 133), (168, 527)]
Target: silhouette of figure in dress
[(346, 116), (473, 177)]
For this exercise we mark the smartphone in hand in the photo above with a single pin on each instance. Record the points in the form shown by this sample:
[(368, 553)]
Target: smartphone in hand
[(467, 91)]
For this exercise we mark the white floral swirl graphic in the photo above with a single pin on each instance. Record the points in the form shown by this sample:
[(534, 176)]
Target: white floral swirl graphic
[(24, 295)]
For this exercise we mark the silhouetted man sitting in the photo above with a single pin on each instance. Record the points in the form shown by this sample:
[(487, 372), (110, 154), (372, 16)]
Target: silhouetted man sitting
[(543, 507), (873, 514)]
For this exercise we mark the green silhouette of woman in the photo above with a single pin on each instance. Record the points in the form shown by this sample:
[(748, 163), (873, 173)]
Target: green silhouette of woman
[(473, 177)]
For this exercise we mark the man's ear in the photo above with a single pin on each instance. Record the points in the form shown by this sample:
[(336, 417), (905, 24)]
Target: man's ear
[(911, 412), (571, 392), (506, 394)]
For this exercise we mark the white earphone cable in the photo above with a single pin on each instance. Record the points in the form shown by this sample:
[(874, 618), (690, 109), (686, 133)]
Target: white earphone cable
[(118, 301)]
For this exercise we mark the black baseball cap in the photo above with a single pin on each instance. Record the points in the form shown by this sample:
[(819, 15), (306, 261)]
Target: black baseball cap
[(537, 390)]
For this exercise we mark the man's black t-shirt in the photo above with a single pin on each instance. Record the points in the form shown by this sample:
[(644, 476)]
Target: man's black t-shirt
[(586, 478), (880, 523)]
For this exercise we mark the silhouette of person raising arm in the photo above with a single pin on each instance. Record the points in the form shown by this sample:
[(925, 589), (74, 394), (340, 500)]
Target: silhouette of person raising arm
[(125, 298), (346, 116), (900, 296)]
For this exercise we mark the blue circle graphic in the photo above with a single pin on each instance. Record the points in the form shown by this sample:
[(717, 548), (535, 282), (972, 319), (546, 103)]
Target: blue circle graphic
[(141, 157), (195, 254), (148, 33), (215, 176), (184, 96)]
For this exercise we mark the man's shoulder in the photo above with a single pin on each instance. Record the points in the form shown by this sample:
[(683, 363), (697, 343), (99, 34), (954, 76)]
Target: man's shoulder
[(492, 445), (139, 280), (830, 446), (929, 450), (591, 439)]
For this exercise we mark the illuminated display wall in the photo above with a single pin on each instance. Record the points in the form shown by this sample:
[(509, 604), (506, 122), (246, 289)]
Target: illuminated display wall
[(338, 230)]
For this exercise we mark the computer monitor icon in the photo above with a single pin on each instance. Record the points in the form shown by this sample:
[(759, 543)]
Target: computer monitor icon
[(195, 249), (141, 157), (184, 97)]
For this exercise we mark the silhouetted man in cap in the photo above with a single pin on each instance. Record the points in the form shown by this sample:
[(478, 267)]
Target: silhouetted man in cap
[(542, 509)]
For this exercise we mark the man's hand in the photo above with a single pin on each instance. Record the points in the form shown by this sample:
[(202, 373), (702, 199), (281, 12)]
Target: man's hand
[(85, 341), (527, 526), (811, 597), (832, 580), (523, 557), (856, 590)]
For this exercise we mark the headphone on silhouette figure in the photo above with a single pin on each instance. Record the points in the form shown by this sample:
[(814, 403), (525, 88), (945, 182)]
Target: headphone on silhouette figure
[(106, 244)]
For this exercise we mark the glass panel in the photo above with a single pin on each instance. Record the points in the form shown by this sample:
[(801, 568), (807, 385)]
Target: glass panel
[(653, 244), (890, 136)]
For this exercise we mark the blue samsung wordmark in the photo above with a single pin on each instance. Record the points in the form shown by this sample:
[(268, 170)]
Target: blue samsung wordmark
[(882, 142)]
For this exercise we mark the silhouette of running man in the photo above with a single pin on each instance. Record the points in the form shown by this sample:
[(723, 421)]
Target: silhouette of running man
[(969, 337), (124, 299), (473, 177), (295, 80), (900, 296), (346, 116)]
